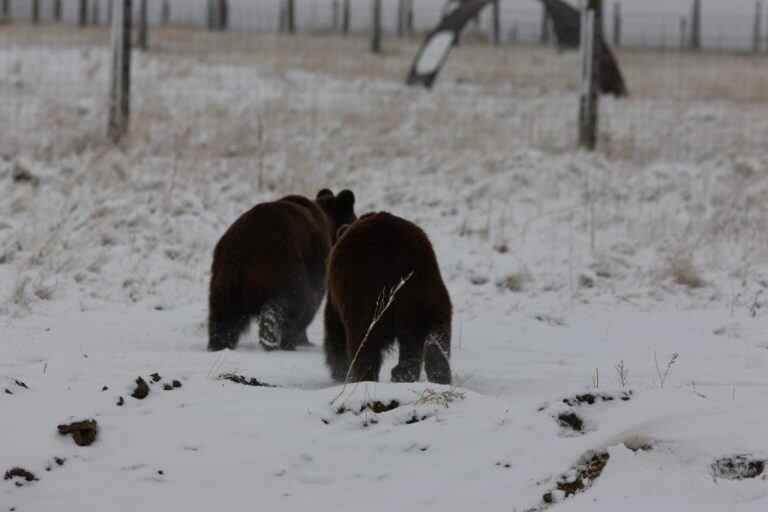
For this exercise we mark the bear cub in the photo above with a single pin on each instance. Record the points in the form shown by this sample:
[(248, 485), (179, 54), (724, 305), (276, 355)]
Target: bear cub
[(270, 265), (370, 258)]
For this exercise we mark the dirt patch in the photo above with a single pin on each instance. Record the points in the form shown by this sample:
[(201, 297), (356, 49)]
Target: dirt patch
[(738, 467), (120, 402), (22, 474), (571, 420), (415, 419), (20, 384), (578, 478), (155, 377), (376, 407), (380, 407), (142, 389), (590, 398), (240, 379), (83, 432), (59, 462), (173, 385)]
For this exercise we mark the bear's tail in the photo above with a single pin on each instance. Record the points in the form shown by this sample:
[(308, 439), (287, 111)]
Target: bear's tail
[(437, 355)]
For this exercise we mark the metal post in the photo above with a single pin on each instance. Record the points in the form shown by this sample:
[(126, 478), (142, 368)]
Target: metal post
[(495, 22), (617, 24), (95, 12), (335, 15), (109, 12), (696, 25), (120, 86), (35, 6), (345, 17), (5, 11), (165, 13), (82, 13), (401, 17), (56, 10), (143, 43), (591, 39), (376, 27), (409, 18), (289, 14), (757, 28), (683, 30)]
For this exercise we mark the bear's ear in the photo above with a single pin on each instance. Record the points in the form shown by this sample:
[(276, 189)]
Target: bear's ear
[(341, 231), (324, 192), (345, 200)]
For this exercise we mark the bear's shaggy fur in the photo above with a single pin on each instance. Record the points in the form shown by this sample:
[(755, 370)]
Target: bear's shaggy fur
[(370, 258), (270, 264)]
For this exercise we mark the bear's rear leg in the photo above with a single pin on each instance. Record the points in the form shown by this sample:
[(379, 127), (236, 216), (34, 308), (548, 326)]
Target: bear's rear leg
[(411, 350), (224, 330), (365, 360), (437, 354), (335, 343), (280, 327)]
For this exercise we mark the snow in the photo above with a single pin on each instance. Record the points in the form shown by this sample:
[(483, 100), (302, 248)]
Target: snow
[(560, 265), (434, 52)]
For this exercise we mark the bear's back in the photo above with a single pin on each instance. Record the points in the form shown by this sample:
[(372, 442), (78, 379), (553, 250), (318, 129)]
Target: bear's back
[(277, 230), (379, 250)]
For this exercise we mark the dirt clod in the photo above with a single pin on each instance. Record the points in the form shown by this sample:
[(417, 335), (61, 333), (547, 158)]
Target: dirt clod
[(142, 389), (379, 407), (104, 388), (83, 432), (59, 461), (20, 384), (738, 467), (120, 402), (571, 420), (176, 383), (155, 377), (240, 379), (22, 473)]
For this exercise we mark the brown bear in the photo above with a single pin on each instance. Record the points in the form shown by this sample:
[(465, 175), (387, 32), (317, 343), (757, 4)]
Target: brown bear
[(371, 258), (270, 264)]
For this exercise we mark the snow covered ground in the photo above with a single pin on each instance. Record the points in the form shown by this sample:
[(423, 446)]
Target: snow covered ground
[(560, 264)]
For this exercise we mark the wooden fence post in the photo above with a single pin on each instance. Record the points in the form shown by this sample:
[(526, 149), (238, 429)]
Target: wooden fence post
[(165, 13), (591, 40), (376, 27), (756, 36), (120, 84), (82, 13), (617, 24), (345, 17), (56, 10), (218, 14), (142, 40), (696, 25), (495, 22)]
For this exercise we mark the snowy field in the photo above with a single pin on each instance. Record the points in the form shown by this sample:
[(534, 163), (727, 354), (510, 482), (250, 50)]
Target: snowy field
[(562, 265)]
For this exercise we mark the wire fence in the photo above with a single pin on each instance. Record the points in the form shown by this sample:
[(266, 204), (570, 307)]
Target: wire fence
[(521, 20), (284, 101)]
